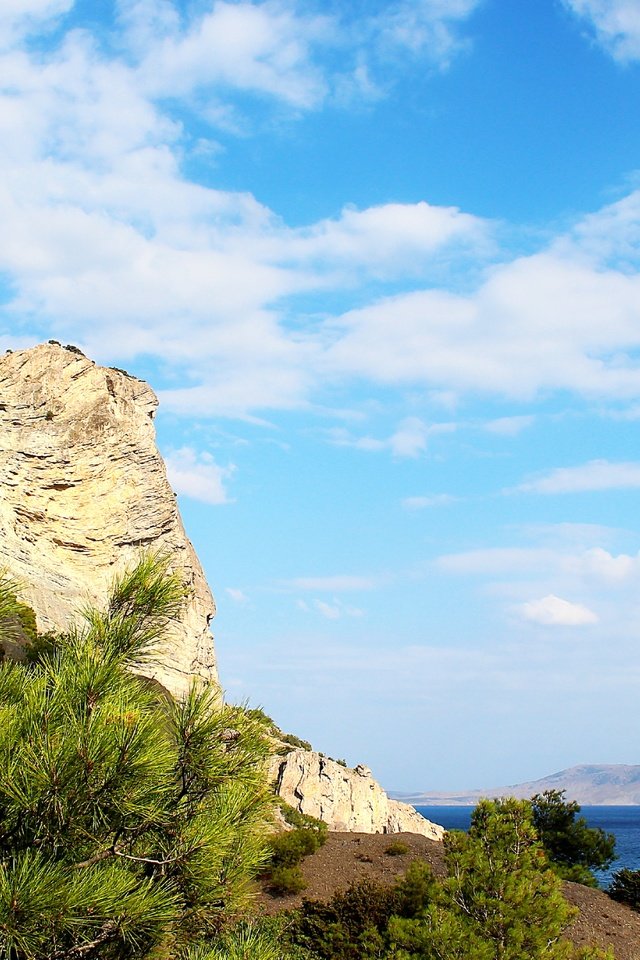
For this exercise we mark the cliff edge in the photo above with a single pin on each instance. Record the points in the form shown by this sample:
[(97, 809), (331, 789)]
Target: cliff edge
[(84, 489)]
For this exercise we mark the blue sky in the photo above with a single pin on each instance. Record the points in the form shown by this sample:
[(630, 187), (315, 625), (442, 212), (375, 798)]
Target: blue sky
[(380, 262)]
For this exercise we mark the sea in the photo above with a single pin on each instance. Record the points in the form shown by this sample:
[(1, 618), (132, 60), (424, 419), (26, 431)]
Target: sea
[(623, 822)]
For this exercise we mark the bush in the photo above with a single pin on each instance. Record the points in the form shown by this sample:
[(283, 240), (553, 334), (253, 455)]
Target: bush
[(295, 818), (625, 887), (396, 849), (354, 924), (289, 848), (284, 880), (295, 742)]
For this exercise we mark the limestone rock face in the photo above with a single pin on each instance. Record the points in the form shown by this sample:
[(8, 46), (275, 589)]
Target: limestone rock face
[(84, 489), (345, 799)]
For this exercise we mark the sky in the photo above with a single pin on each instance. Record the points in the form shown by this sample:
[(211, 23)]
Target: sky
[(380, 261)]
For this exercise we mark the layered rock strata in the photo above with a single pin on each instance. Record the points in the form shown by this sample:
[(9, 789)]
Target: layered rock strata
[(345, 799), (84, 490)]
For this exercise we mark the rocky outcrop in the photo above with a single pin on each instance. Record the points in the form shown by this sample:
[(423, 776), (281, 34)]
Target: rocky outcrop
[(345, 799), (84, 489)]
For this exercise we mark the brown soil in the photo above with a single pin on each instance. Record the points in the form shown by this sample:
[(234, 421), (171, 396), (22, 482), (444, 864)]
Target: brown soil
[(349, 857)]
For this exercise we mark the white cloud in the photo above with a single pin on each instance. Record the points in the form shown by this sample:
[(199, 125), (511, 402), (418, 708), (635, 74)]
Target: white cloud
[(593, 476), (196, 475), (603, 566), (265, 48), (238, 596), (105, 237), (329, 611), (588, 565), (494, 560), (424, 28), (570, 535), (336, 610), (409, 439), (554, 611), (509, 426), (616, 24), (18, 17), (389, 237), (436, 500), (544, 322), (280, 50)]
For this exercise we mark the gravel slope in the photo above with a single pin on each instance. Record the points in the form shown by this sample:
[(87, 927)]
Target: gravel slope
[(349, 857)]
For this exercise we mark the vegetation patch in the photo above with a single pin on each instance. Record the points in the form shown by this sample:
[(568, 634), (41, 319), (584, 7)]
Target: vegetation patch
[(131, 826), (396, 849), (625, 888)]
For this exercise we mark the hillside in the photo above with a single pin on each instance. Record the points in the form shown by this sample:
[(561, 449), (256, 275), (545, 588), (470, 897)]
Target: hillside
[(590, 784), (351, 857)]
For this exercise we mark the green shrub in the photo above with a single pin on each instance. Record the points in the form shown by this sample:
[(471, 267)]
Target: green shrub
[(41, 647), (396, 849), (351, 926), (259, 716), (17, 619), (284, 880), (293, 741), (289, 848), (295, 818), (625, 887)]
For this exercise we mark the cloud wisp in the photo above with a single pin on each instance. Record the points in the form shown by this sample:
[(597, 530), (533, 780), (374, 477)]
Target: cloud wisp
[(196, 475), (597, 475), (552, 611), (615, 24)]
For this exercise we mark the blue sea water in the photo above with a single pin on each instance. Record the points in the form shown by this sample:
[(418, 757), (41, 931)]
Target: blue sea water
[(623, 822)]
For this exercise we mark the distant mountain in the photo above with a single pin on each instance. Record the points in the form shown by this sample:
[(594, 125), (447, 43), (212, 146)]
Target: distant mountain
[(608, 784)]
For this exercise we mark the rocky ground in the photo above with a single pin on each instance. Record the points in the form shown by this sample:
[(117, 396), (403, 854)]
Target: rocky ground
[(349, 857)]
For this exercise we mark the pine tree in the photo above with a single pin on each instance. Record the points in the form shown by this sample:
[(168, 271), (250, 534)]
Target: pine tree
[(499, 901), (131, 825), (573, 847)]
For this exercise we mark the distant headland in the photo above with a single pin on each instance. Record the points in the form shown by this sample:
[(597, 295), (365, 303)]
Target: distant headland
[(607, 784)]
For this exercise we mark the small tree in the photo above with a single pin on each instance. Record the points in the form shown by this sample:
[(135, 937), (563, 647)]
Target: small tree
[(573, 847), (625, 887), (130, 824), (499, 902)]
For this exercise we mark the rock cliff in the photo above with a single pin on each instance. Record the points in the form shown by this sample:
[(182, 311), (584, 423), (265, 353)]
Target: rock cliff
[(345, 799), (84, 489)]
